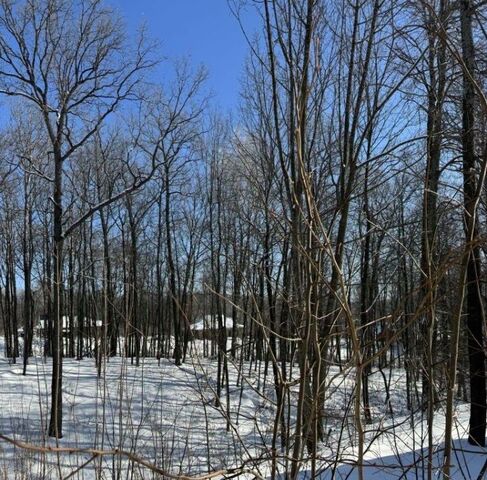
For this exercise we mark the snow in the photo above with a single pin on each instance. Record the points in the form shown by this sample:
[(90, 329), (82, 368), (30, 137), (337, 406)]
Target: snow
[(210, 321), (168, 416)]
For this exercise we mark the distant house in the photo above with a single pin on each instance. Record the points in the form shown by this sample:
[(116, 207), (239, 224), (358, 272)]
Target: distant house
[(42, 327), (208, 327)]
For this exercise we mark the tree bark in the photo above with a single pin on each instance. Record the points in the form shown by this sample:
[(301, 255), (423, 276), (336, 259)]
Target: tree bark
[(475, 314)]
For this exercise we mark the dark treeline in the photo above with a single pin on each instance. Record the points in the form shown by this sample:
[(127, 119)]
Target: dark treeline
[(338, 219)]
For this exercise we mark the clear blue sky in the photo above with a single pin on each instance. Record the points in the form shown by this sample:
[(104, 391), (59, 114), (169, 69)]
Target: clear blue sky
[(204, 30)]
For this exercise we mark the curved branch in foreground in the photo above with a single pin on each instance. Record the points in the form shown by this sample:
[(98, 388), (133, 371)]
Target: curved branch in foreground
[(94, 452)]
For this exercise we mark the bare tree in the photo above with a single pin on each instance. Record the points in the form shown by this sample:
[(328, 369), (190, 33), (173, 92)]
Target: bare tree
[(70, 60)]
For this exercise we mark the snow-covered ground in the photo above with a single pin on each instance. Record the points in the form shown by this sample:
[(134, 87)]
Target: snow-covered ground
[(168, 416)]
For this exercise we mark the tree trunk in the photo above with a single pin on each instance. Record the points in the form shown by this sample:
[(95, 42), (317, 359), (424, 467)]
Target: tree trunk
[(475, 315), (56, 418)]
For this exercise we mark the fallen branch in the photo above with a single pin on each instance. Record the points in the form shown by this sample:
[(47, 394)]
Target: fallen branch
[(130, 456)]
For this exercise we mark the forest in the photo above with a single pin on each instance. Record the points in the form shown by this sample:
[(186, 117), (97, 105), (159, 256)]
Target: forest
[(294, 290)]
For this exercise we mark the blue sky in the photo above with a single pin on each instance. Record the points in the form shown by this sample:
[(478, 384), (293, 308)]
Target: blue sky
[(204, 30)]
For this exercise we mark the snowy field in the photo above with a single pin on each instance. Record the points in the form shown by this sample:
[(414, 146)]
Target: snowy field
[(168, 416)]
